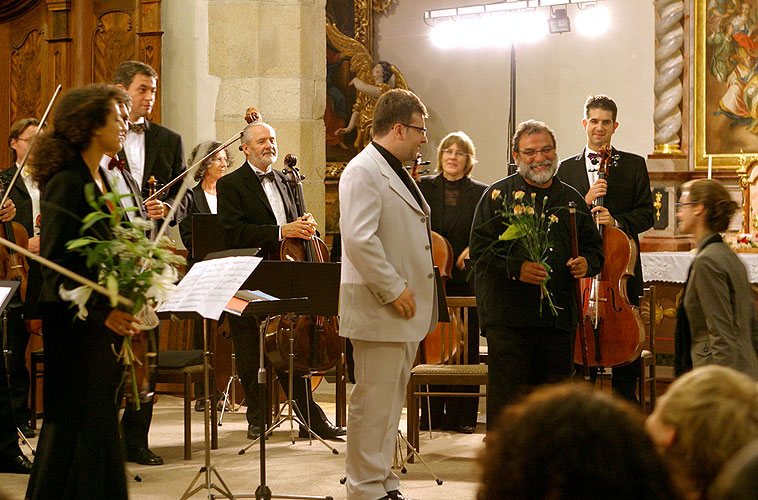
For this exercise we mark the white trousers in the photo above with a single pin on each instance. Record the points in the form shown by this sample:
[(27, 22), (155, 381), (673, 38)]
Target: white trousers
[(382, 370)]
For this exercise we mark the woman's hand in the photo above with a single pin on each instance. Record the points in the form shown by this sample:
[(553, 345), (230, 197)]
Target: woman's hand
[(122, 322), (461, 262)]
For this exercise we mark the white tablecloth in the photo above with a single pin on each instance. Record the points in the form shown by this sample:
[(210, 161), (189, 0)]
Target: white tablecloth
[(673, 266)]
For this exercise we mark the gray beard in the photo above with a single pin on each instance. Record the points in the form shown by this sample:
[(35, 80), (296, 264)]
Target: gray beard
[(525, 169)]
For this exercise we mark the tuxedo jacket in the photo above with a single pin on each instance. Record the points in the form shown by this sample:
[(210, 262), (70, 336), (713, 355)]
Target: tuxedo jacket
[(199, 206), (385, 247), (460, 219), (628, 199), (245, 213), (164, 159)]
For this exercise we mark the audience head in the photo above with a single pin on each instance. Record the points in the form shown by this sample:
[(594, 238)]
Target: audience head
[(398, 123), (215, 166), (702, 420), (706, 203), (534, 151), (738, 479), (20, 137), (78, 115), (456, 155), (567, 442)]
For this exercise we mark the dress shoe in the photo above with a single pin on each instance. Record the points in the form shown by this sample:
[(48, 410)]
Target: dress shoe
[(200, 405), (143, 456), (325, 430), (395, 495), (16, 465), (27, 430), (253, 431), (465, 429)]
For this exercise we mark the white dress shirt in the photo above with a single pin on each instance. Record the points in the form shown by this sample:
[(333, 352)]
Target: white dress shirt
[(116, 181), (274, 197), (212, 200), (134, 147), (591, 169), (33, 190)]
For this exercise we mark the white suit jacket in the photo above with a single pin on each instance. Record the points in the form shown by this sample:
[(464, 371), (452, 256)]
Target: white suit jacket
[(385, 246)]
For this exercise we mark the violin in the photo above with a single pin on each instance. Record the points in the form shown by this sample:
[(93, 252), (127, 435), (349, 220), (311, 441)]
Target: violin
[(612, 325), (13, 265), (317, 346)]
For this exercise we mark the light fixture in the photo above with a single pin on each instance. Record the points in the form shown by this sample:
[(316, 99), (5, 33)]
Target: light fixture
[(593, 20), (559, 21)]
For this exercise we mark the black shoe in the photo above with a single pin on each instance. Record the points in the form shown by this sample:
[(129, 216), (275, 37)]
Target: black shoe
[(200, 404), (16, 465), (325, 430), (27, 430), (143, 456), (253, 431), (465, 429)]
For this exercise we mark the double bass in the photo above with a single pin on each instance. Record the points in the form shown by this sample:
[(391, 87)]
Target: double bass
[(614, 330), (317, 346)]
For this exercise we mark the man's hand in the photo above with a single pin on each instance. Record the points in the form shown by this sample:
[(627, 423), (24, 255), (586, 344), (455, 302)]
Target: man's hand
[(598, 189), (303, 227), (405, 304), (156, 209), (8, 212), (461, 262), (578, 267), (533, 273), (33, 245), (603, 216)]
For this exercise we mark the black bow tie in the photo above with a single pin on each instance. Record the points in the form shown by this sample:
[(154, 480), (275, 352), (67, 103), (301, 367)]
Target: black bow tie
[(137, 128), (268, 175), (116, 163)]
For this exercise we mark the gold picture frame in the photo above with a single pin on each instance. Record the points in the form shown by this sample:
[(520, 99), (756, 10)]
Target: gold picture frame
[(726, 84)]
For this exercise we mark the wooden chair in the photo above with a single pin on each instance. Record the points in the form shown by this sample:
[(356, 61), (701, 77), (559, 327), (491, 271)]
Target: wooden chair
[(453, 370), (647, 376), (179, 364), (36, 371)]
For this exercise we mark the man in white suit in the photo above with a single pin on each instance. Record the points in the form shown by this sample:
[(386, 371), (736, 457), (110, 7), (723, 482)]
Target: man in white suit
[(387, 295)]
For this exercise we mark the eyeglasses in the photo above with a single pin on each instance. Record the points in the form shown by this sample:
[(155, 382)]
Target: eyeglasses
[(531, 153), (420, 129), (684, 204), (458, 154), (25, 140)]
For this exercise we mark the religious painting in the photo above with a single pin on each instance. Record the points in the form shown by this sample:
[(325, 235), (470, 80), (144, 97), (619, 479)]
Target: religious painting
[(726, 82)]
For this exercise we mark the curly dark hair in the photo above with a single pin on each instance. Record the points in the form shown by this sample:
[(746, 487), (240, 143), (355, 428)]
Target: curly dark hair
[(600, 101), (566, 442), (79, 112), (719, 206), (203, 149), (386, 71)]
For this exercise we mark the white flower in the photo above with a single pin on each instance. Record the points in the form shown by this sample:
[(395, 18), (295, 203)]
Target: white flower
[(78, 296), (163, 285)]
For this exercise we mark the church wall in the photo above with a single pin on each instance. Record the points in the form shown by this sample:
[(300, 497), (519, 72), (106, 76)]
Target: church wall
[(468, 89)]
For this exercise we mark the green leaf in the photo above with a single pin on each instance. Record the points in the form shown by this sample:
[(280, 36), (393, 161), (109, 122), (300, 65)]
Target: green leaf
[(513, 232)]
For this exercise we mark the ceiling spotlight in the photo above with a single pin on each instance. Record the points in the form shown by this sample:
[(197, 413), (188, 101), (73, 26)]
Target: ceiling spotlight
[(559, 21)]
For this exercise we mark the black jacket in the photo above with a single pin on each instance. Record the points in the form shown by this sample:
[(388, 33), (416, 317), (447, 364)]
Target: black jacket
[(244, 210), (628, 199), (503, 300)]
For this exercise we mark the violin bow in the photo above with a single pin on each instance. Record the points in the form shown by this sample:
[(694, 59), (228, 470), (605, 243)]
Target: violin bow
[(578, 292), (31, 146)]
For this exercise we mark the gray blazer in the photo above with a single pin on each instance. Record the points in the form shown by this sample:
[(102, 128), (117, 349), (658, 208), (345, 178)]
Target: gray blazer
[(720, 310), (385, 246)]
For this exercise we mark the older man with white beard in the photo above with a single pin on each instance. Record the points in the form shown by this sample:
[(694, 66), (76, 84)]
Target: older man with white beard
[(529, 344)]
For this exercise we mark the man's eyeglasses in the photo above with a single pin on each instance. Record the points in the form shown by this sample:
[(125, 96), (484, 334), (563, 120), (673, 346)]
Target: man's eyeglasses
[(458, 154), (420, 129), (684, 204), (531, 153)]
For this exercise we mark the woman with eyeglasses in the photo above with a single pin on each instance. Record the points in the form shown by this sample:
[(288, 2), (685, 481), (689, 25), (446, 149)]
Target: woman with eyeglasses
[(715, 321), (452, 196)]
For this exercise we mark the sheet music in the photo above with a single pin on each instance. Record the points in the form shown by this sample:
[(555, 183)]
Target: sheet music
[(4, 291), (208, 286)]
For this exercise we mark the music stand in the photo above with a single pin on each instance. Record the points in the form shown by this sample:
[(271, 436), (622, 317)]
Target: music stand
[(290, 281)]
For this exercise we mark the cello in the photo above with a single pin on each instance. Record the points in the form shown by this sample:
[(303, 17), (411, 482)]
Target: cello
[(432, 349), (613, 327), (317, 346), (13, 265)]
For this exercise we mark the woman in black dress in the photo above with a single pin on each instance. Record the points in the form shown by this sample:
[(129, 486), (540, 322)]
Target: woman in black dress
[(452, 196), (79, 452)]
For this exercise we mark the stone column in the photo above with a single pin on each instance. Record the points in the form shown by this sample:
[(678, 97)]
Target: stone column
[(669, 64), (270, 54)]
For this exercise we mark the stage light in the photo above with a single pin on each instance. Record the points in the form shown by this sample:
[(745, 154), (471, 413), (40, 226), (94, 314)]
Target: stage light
[(593, 20), (559, 21)]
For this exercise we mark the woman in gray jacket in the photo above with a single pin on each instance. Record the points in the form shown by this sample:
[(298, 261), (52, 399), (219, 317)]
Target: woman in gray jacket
[(716, 318)]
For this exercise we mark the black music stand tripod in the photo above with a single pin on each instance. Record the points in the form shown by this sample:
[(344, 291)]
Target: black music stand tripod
[(288, 280)]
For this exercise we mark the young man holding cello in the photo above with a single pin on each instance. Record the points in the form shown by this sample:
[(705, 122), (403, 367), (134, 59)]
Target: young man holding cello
[(256, 208), (627, 201)]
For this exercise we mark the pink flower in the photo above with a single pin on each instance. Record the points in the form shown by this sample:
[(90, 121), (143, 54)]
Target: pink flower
[(518, 210), (495, 194), (518, 195)]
